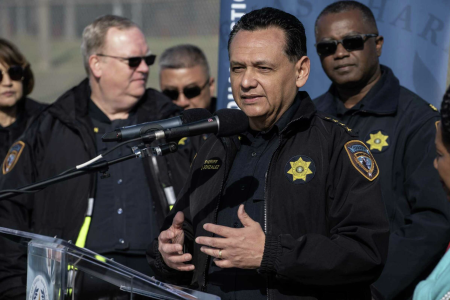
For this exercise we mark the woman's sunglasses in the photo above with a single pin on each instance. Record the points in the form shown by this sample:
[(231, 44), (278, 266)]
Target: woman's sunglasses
[(190, 92), (134, 61), (14, 72), (350, 43)]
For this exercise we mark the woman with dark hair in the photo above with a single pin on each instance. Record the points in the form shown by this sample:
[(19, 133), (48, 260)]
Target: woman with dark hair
[(437, 285), (16, 82)]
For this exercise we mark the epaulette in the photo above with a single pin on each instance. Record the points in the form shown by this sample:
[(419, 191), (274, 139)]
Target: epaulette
[(337, 122), (433, 107)]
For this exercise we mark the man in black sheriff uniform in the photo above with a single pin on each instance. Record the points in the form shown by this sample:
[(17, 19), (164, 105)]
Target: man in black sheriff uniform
[(399, 128), (125, 210), (291, 209)]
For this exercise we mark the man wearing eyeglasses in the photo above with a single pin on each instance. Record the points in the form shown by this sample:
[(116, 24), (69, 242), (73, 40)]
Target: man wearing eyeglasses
[(116, 216), (184, 77), (399, 128)]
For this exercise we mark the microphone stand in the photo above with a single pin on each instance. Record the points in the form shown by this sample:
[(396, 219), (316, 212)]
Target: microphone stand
[(101, 166)]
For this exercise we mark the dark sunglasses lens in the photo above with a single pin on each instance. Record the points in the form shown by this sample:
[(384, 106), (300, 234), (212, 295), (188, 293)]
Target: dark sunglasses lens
[(191, 92), (133, 62), (149, 60), (326, 48), (172, 94), (15, 73), (353, 43)]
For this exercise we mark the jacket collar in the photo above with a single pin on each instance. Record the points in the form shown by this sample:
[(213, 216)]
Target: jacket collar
[(305, 112), (381, 99), (74, 105)]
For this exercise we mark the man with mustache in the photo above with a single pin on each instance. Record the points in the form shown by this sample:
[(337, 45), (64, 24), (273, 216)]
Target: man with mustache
[(399, 128), (285, 210)]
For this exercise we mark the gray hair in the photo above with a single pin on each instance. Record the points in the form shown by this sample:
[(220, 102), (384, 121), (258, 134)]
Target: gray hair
[(94, 34), (183, 56)]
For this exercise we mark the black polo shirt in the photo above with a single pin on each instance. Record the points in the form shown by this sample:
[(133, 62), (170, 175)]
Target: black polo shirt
[(123, 216), (245, 185)]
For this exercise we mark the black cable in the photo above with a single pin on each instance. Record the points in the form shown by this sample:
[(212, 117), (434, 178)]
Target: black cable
[(96, 166), (19, 191)]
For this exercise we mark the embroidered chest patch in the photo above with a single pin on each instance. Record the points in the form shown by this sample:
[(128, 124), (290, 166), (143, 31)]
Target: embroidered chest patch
[(211, 164), (362, 159), (378, 141), (12, 157), (300, 169)]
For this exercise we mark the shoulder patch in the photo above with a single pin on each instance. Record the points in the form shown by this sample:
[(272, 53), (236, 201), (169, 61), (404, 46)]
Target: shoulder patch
[(437, 124), (12, 156), (362, 159), (433, 107)]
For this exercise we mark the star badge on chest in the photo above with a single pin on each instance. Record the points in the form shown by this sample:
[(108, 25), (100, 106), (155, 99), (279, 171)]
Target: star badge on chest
[(300, 169), (377, 141)]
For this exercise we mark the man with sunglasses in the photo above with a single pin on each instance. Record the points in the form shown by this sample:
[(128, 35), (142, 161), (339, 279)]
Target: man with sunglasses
[(399, 128), (184, 77), (117, 216)]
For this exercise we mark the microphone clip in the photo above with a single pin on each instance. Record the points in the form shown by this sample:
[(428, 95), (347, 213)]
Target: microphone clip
[(141, 152)]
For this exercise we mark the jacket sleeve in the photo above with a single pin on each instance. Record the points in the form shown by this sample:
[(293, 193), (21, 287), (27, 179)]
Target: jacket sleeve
[(416, 247), (14, 213), (355, 249), (154, 258)]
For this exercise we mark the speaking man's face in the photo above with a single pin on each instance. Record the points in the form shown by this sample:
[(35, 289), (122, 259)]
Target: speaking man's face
[(264, 81), (350, 68)]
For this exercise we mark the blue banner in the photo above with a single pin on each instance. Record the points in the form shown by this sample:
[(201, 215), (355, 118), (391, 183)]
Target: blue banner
[(416, 42)]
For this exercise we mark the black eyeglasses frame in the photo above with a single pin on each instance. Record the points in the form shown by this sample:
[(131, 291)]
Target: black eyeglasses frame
[(364, 37), (188, 92), (18, 76), (133, 61)]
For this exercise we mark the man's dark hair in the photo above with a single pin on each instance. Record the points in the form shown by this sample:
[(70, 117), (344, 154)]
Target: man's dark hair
[(267, 17), (344, 6), (445, 119)]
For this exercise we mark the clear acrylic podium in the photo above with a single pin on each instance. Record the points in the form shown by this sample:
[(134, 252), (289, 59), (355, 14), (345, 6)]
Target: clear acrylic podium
[(55, 267)]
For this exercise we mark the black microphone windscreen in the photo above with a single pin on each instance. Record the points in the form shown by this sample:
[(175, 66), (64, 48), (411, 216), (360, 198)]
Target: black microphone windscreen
[(231, 121), (194, 115)]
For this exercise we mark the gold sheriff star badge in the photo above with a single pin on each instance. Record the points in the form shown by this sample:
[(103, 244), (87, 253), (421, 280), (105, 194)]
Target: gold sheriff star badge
[(378, 141), (300, 169)]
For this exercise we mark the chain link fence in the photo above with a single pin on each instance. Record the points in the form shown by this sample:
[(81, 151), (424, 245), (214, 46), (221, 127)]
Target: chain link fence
[(48, 32)]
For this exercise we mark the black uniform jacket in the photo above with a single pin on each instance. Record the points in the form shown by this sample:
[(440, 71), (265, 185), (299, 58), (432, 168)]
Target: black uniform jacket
[(59, 139), (26, 109), (415, 202), (326, 236)]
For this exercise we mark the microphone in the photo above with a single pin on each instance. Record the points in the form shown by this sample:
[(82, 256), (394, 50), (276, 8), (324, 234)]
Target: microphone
[(225, 122), (135, 131)]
